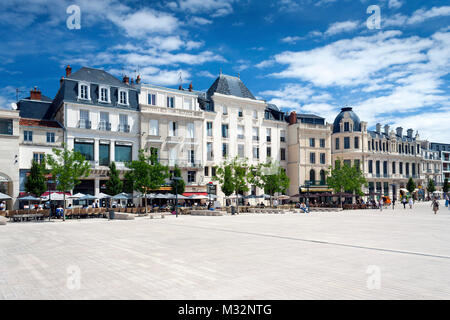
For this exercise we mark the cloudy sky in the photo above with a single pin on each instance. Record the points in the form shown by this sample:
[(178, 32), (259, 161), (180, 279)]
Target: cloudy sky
[(303, 55)]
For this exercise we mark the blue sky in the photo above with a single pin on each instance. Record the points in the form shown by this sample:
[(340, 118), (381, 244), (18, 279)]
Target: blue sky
[(303, 55)]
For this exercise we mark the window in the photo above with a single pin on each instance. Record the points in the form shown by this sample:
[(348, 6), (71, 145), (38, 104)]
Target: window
[(28, 136), (255, 114), (282, 154), (209, 152), (255, 152), (322, 177), (385, 168), (312, 142), (123, 97), (337, 143), (187, 103), (312, 176), (268, 134), (191, 176), (269, 152), (190, 130), (123, 123), (348, 163), (322, 143), (240, 132), (213, 171), (225, 110), (400, 168), (224, 130), (357, 164), (85, 123), (172, 156), (104, 94), (206, 171), (154, 152), (224, 150), (407, 169), (104, 123), (377, 167), (393, 167), (191, 156), (370, 166), (312, 157), (83, 91), (152, 99), (38, 157), (85, 148), (282, 135), (50, 137), (356, 143), (170, 102), (122, 153), (6, 126), (322, 158), (255, 134), (103, 154), (241, 152), (154, 127), (240, 113), (173, 128), (346, 143), (346, 126), (209, 127)]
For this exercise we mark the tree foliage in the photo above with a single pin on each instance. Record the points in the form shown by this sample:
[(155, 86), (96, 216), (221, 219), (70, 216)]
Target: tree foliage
[(345, 178), (114, 185), (411, 185), (431, 186), (36, 183), (67, 167), (445, 186), (177, 185), (146, 173)]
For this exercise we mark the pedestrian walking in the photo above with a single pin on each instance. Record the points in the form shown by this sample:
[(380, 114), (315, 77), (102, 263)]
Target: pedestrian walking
[(393, 202), (435, 205), (381, 203), (446, 200), (404, 202), (411, 203)]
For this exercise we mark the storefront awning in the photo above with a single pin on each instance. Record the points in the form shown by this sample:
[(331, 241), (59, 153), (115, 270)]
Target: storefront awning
[(188, 194), (312, 190)]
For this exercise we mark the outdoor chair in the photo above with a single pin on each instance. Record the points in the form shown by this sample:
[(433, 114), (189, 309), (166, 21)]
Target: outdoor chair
[(129, 210)]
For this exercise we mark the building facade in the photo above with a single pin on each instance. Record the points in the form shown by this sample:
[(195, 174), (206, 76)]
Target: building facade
[(444, 153)]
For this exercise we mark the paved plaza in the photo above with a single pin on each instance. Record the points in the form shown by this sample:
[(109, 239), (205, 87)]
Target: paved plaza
[(393, 254)]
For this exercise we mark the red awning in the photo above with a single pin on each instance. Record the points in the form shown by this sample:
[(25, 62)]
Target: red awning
[(60, 192), (187, 194)]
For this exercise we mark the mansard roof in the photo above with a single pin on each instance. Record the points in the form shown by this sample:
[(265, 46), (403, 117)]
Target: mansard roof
[(231, 86)]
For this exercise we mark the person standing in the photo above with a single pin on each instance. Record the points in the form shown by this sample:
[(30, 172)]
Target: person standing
[(435, 205), (411, 203), (446, 200), (393, 202), (404, 202)]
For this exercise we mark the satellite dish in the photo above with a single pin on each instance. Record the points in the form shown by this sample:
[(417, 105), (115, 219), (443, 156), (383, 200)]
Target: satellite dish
[(14, 106)]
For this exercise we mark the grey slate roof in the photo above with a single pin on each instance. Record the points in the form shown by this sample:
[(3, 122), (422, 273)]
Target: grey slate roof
[(353, 116), (35, 109), (231, 86), (97, 76)]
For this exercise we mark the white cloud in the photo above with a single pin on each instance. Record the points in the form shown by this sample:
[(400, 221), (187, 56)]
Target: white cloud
[(395, 4), (340, 27), (290, 40), (199, 21), (217, 8), (422, 14), (206, 74), (166, 77)]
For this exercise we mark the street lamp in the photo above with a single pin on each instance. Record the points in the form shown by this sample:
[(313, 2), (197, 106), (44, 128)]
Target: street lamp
[(176, 194), (209, 192)]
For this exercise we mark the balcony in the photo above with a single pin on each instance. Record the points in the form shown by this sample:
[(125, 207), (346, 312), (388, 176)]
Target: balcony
[(84, 124), (124, 128), (313, 183), (104, 126), (196, 164), (173, 139)]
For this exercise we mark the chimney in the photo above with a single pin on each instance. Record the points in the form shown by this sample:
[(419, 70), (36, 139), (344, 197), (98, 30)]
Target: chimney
[(35, 94), (126, 79), (190, 87), (399, 131), (138, 79), (410, 132), (180, 87), (68, 71), (292, 118), (378, 128), (132, 81), (61, 81), (386, 129)]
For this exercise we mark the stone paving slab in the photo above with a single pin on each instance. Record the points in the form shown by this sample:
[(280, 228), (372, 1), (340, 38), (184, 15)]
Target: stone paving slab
[(323, 255)]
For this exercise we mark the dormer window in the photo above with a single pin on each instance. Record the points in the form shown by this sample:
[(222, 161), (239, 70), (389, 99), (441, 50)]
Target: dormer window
[(84, 91), (346, 126), (123, 97), (104, 94)]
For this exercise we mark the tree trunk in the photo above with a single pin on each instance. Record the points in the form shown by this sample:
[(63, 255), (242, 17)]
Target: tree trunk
[(145, 195), (64, 206), (237, 202)]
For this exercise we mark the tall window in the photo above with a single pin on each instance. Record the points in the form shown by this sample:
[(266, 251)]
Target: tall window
[(103, 154), (191, 176), (337, 143), (6, 126), (346, 143), (152, 99), (322, 177), (312, 175), (357, 164), (393, 167), (173, 128), (282, 154), (190, 129), (255, 114), (154, 127), (322, 143), (241, 153), (255, 152), (170, 102), (356, 143), (209, 128), (312, 157), (104, 123), (50, 137), (312, 142), (38, 157), (224, 150), (322, 158), (85, 123), (123, 123), (370, 166), (122, 153), (240, 112), (28, 136), (400, 167), (269, 152), (377, 167), (206, 171), (191, 156), (268, 134), (83, 91), (224, 130), (85, 148), (224, 110), (283, 135), (209, 152), (255, 134), (346, 126), (187, 103), (240, 132), (104, 94), (123, 97)]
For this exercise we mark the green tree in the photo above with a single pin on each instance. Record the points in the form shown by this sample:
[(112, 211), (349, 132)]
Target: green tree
[(114, 185), (36, 183), (67, 167), (445, 186), (177, 185), (233, 177), (146, 173), (270, 177), (431, 186), (411, 186)]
